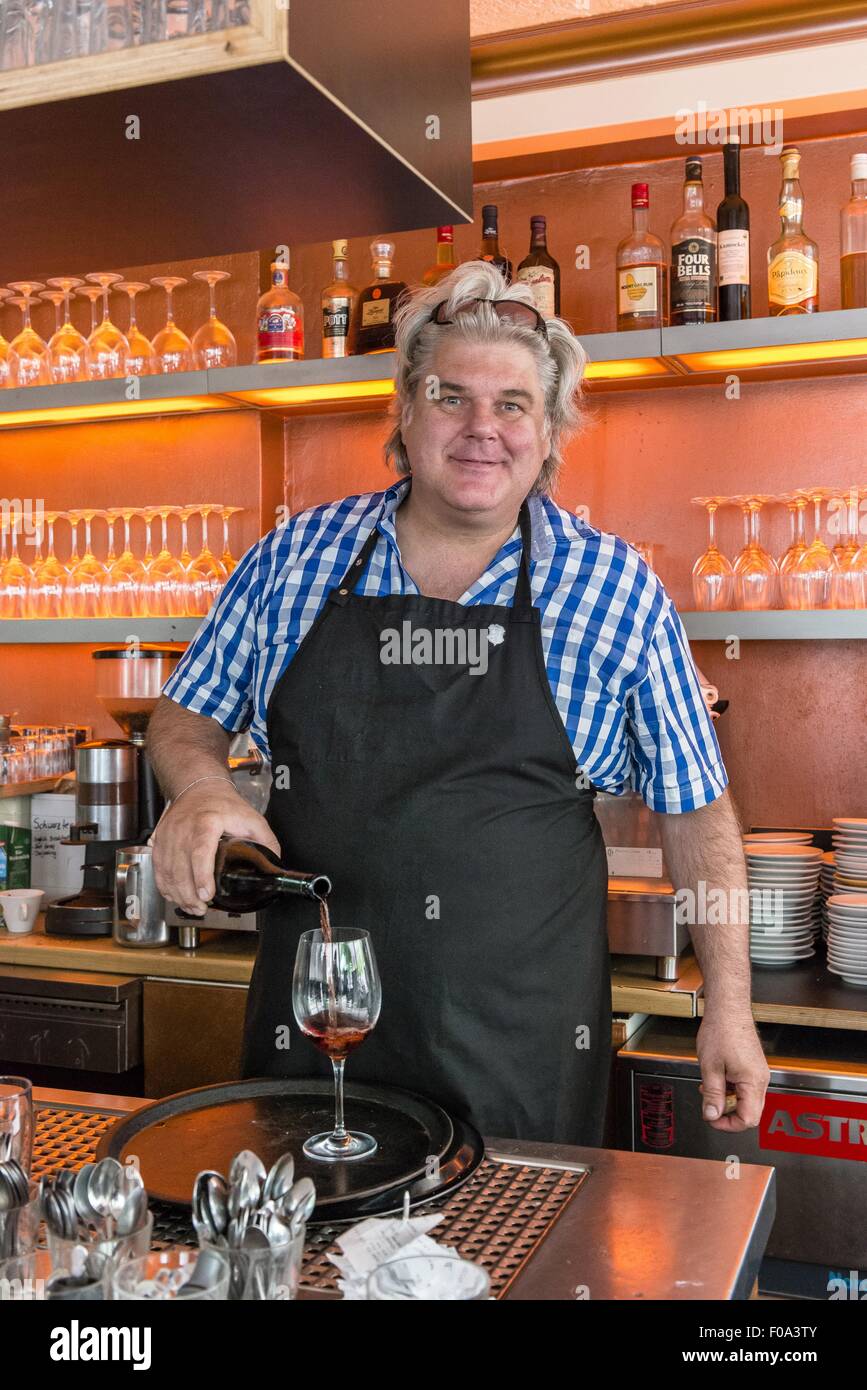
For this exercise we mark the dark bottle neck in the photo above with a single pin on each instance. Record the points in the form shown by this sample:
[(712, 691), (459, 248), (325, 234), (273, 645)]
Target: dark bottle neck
[(539, 238), (732, 166)]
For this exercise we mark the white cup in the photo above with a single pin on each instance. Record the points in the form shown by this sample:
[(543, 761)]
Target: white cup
[(20, 908)]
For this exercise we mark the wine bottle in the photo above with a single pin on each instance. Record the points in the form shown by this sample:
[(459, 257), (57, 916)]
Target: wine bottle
[(491, 241), (249, 876), (853, 239), (540, 271), (693, 254), (733, 235)]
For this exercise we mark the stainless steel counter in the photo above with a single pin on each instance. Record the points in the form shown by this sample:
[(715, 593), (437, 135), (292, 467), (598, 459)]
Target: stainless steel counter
[(640, 1226)]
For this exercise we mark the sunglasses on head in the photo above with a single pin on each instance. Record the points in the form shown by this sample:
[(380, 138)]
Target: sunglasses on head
[(509, 310)]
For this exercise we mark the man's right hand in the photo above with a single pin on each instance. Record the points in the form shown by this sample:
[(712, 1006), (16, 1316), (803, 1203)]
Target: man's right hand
[(185, 843)]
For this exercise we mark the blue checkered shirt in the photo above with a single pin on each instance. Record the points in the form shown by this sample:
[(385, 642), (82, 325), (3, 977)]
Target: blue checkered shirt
[(616, 654)]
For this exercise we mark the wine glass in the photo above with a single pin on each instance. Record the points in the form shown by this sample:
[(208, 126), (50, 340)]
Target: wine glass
[(847, 581), (8, 360), (14, 574), (336, 998), (107, 346), (789, 588), (755, 571), (92, 293), (48, 584), (173, 350), (67, 350), (30, 350), (87, 576), (205, 574), (814, 569), (165, 576), (214, 343), (712, 574), (227, 559), (126, 575), (140, 359)]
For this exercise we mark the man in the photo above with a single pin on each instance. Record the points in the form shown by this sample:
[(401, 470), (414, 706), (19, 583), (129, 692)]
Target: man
[(441, 674)]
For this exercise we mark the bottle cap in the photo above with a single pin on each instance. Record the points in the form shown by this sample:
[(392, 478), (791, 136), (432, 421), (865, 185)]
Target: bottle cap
[(641, 195), (489, 212), (859, 166), (340, 250), (791, 162), (693, 169), (382, 250), (445, 234), (537, 220)]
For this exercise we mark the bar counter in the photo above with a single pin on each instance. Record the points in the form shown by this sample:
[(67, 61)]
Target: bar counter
[(640, 1226)]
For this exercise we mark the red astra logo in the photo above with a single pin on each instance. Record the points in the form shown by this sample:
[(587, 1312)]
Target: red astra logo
[(795, 1123)]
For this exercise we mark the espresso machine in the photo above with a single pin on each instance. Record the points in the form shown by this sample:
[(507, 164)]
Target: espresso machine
[(118, 801)]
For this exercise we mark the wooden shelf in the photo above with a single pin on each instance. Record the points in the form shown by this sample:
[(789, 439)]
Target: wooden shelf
[(33, 788), (93, 631), (778, 625)]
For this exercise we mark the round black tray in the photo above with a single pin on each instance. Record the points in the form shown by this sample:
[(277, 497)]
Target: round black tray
[(421, 1150)]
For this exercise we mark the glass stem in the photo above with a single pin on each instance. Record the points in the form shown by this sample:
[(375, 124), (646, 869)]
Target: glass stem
[(213, 295), (87, 520), (711, 528), (754, 528), (339, 1128), (50, 525), (126, 522)]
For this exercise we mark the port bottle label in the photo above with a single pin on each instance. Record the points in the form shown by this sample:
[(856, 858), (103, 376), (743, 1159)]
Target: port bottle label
[(734, 257), (693, 276), (792, 278), (541, 281), (637, 290)]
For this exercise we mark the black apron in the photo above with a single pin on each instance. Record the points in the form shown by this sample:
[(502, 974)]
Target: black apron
[(444, 806)]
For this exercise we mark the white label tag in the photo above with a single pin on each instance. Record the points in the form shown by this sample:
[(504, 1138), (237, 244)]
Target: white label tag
[(634, 863)]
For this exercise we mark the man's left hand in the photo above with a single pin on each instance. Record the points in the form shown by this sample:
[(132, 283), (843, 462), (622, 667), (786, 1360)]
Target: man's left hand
[(729, 1050)]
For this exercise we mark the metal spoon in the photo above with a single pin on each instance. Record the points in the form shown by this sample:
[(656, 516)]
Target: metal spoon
[(280, 1178)]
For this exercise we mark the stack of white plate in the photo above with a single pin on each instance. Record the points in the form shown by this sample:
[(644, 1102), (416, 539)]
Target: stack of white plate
[(778, 837), (847, 937), (787, 876), (826, 888), (850, 854)]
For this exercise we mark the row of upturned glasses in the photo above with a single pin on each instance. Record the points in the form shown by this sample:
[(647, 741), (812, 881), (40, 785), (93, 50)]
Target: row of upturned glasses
[(34, 751), (154, 583), (33, 32), (810, 574), (107, 351)]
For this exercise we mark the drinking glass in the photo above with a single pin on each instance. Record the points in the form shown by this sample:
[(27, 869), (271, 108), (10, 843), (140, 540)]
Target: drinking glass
[(166, 577), (67, 350), (35, 539), (214, 343), (107, 346), (205, 574), (94, 294), (336, 997), (712, 575), (126, 577), (8, 360), (14, 574), (847, 581), (813, 571), (227, 559), (56, 298), (789, 589), (755, 571), (30, 350), (173, 350), (426, 1277), (16, 1121), (140, 350), (48, 584), (164, 1274), (85, 597)]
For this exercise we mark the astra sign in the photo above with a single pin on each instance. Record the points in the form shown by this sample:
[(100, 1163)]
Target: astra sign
[(821, 1125)]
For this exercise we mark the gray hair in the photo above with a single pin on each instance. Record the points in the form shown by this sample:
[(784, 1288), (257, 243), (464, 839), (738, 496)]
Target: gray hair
[(560, 361)]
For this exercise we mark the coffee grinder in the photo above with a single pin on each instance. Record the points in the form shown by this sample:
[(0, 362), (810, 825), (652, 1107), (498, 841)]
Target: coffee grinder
[(118, 801)]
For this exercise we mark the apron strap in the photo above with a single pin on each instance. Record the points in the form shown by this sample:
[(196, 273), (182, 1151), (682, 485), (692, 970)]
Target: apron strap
[(522, 606)]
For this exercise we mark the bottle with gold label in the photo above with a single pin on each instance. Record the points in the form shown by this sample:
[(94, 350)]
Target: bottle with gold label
[(793, 260), (642, 271), (339, 300), (374, 321)]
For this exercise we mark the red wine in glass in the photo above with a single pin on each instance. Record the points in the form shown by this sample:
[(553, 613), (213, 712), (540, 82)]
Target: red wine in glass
[(336, 1034)]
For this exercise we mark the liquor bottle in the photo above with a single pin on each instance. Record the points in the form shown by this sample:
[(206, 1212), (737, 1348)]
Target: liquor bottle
[(491, 241), (540, 271), (279, 320), (642, 271), (733, 234), (693, 254), (339, 301), (445, 261), (853, 239), (793, 260), (249, 876), (374, 321)]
